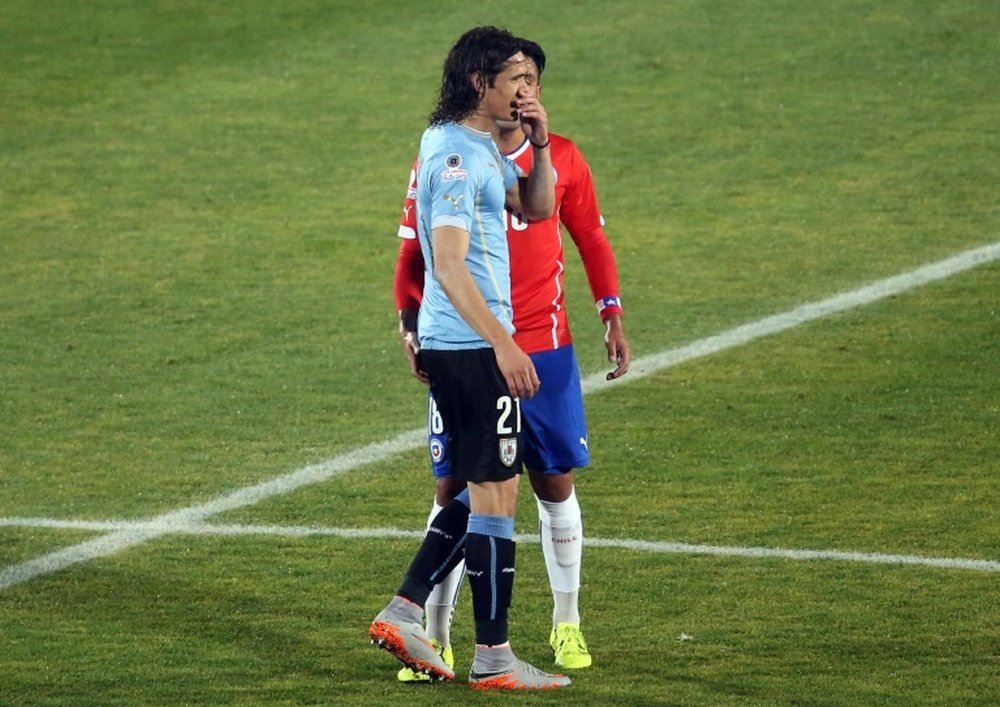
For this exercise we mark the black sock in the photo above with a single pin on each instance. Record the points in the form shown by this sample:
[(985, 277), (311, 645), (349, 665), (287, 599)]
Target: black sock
[(489, 563), (443, 548)]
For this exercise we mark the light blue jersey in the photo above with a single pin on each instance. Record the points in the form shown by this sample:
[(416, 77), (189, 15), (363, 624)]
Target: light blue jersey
[(462, 181)]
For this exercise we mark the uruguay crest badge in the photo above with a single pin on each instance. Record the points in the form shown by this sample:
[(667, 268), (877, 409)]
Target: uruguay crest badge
[(508, 450)]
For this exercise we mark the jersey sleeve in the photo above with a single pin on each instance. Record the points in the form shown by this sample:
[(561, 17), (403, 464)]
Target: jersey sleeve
[(511, 173), (581, 215), (453, 188), (408, 279), (408, 219)]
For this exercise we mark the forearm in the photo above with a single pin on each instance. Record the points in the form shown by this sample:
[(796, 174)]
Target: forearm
[(602, 270), (537, 191), (407, 321)]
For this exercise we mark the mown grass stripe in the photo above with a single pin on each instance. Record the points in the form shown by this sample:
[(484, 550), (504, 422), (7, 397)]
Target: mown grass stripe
[(127, 537)]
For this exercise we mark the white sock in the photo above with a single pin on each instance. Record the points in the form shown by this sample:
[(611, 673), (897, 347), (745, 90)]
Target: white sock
[(490, 659), (440, 605), (561, 530)]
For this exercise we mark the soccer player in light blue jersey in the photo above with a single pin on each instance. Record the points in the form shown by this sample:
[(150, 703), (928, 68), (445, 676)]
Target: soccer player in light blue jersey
[(466, 189), (554, 431), (477, 372)]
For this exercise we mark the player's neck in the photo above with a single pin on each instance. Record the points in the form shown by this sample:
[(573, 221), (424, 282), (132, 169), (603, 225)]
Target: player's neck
[(480, 122), (509, 140)]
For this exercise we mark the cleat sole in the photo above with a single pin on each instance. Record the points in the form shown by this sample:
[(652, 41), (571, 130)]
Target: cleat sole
[(387, 637)]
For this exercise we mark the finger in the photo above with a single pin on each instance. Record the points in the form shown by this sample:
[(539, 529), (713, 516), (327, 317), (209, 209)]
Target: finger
[(512, 385), (620, 371), (534, 383), (523, 390), (615, 352), (528, 385), (417, 373), (622, 361)]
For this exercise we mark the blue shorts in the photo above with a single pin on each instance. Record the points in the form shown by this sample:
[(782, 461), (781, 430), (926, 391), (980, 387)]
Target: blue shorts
[(553, 425)]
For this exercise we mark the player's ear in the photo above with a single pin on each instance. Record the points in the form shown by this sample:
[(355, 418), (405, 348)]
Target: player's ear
[(478, 83)]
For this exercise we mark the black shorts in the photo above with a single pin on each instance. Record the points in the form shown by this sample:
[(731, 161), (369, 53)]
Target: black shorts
[(480, 418)]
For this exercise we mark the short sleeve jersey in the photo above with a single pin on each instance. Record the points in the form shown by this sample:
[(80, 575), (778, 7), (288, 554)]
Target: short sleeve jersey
[(536, 249), (462, 181)]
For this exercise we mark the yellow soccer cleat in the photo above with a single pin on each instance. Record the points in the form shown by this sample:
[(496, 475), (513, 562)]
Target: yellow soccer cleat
[(409, 675), (570, 647)]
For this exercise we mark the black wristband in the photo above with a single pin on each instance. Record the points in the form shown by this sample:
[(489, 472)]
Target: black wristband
[(541, 147)]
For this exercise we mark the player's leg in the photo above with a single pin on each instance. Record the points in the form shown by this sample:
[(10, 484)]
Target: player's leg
[(399, 627), (440, 605), (560, 524), (490, 551), (484, 422), (555, 440), (561, 533), (441, 602), (490, 560)]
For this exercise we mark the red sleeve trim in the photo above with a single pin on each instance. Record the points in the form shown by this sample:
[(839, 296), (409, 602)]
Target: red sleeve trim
[(607, 306)]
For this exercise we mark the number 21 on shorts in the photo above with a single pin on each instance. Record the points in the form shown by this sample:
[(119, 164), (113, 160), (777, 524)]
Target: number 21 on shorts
[(508, 429), (507, 406)]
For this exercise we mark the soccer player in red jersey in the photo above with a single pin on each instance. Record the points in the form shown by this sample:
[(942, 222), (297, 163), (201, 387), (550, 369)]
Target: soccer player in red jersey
[(554, 427)]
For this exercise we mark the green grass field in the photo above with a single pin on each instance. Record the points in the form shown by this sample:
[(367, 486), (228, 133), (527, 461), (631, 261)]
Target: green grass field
[(198, 205)]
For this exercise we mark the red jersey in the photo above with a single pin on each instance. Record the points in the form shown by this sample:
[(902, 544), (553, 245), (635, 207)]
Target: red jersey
[(537, 260)]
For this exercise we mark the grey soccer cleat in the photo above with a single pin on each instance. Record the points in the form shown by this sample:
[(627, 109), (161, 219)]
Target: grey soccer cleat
[(517, 675), (407, 641)]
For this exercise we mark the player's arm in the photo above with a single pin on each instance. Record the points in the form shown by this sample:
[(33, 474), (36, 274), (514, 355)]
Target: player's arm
[(602, 275), (581, 215), (534, 196), (408, 279), (450, 246), (408, 287)]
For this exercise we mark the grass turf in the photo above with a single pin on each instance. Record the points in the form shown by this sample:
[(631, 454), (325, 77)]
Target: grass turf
[(197, 204)]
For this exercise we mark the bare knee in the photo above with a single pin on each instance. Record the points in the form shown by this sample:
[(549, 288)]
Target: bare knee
[(551, 487)]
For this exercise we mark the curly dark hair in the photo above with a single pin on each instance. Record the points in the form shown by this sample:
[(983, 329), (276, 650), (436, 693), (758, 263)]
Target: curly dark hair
[(483, 51), (534, 52)]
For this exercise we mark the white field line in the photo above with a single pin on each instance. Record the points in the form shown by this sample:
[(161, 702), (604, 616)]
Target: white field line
[(673, 548), (131, 535), (746, 333)]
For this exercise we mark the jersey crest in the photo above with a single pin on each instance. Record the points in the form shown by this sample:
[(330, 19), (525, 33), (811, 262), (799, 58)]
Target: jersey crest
[(508, 450)]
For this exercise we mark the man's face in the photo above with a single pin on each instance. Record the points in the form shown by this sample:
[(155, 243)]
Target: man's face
[(519, 79)]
